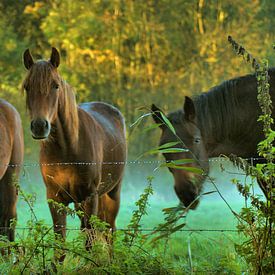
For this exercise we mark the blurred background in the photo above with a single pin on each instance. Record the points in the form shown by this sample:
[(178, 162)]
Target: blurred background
[(132, 54)]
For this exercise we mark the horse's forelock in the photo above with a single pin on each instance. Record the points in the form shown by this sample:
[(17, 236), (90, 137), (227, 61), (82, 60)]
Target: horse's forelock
[(40, 77), (176, 117)]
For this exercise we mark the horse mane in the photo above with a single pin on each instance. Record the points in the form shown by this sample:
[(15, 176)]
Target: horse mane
[(176, 117), (218, 109), (212, 110), (68, 111)]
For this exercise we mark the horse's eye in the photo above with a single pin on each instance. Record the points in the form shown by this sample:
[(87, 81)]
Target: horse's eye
[(55, 86), (197, 140)]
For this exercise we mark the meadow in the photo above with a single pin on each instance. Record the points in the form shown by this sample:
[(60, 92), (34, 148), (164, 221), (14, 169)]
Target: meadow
[(132, 54), (205, 245)]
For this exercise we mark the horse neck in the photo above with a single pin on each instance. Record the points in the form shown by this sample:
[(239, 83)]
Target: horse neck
[(224, 120), (66, 125)]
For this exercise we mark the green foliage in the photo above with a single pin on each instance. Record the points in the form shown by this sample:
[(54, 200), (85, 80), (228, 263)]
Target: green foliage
[(128, 53), (131, 53), (36, 249), (134, 227), (257, 220), (61, 208), (164, 149), (172, 216)]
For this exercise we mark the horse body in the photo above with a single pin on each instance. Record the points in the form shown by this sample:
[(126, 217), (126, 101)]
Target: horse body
[(97, 145), (222, 121), (11, 157), (85, 137), (227, 117)]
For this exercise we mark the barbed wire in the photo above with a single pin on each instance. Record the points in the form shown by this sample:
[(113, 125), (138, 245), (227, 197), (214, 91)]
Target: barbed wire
[(127, 162), (139, 230)]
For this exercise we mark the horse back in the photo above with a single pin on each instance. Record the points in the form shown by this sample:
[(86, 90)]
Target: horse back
[(109, 117), (107, 130)]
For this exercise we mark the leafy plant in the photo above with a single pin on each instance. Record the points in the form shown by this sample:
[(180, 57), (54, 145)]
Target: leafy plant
[(122, 253), (134, 227), (257, 219)]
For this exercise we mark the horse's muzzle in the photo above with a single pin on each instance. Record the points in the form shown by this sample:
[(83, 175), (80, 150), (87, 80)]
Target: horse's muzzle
[(40, 128), (187, 194)]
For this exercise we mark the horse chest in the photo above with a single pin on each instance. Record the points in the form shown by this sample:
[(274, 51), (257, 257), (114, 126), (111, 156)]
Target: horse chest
[(70, 183)]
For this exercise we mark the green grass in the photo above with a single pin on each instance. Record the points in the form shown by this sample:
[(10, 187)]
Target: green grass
[(210, 251), (212, 212)]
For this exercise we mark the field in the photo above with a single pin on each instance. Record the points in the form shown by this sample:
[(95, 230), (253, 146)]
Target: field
[(132, 54), (206, 243)]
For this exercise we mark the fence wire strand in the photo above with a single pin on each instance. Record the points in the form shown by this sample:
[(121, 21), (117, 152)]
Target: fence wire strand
[(128, 162), (139, 230)]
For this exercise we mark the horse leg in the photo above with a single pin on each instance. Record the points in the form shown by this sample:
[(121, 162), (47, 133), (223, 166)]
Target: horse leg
[(109, 206), (107, 211), (90, 207), (8, 199), (59, 220)]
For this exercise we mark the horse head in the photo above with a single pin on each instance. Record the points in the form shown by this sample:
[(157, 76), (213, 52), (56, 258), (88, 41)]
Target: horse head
[(42, 86), (187, 181)]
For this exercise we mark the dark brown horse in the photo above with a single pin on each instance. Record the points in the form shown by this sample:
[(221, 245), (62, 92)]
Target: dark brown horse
[(90, 133), (11, 159), (222, 121)]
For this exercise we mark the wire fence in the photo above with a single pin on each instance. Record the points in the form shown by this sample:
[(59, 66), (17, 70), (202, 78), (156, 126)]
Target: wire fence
[(128, 162), (131, 229), (213, 235)]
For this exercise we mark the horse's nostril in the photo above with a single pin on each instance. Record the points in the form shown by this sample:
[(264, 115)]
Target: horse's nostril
[(32, 124), (46, 124), (40, 128), (187, 193)]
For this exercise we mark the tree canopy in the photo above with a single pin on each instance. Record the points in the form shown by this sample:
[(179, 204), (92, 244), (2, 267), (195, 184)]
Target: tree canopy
[(133, 53)]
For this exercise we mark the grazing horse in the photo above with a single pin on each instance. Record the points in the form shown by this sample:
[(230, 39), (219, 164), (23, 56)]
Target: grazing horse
[(92, 134), (222, 121), (11, 159)]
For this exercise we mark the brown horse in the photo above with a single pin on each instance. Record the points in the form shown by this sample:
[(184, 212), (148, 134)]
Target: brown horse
[(92, 134), (11, 159), (222, 121)]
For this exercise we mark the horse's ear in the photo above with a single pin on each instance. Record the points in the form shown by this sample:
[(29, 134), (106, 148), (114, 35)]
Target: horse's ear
[(55, 57), (156, 114), (28, 61), (189, 109)]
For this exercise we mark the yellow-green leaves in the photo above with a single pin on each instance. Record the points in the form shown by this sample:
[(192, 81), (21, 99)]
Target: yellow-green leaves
[(192, 169), (167, 148), (168, 123)]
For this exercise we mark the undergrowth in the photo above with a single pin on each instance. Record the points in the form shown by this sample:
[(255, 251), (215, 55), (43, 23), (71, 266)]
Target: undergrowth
[(256, 220), (131, 252), (123, 252)]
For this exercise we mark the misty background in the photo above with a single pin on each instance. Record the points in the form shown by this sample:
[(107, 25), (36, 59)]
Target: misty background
[(132, 54)]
